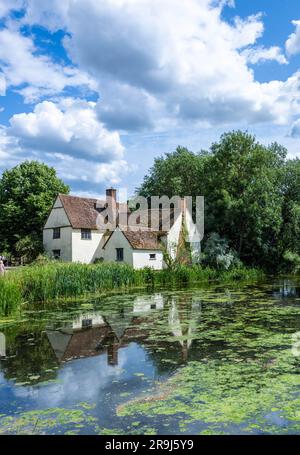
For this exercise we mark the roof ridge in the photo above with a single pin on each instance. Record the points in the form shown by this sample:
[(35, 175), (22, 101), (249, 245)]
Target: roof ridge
[(80, 197)]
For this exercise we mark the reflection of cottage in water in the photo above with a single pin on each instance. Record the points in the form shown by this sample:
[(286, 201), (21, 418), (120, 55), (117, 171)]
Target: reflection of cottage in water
[(163, 326), (145, 304), (92, 334)]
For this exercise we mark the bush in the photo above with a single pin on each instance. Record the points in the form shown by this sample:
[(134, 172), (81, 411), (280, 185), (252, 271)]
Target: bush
[(217, 253)]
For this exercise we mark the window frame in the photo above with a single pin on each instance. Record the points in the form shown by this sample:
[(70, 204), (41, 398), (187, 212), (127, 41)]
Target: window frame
[(120, 257), (86, 234), (56, 233), (86, 323), (56, 254), (152, 257)]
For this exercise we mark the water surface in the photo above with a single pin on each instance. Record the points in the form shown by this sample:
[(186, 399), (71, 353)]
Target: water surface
[(216, 360)]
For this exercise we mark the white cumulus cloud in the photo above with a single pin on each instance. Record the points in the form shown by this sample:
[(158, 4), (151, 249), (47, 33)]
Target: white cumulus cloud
[(2, 84), (8, 5), (262, 54), (295, 131), (33, 74), (292, 45), (180, 59), (155, 63), (69, 127), (69, 136)]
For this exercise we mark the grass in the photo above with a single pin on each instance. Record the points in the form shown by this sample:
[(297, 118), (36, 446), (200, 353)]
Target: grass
[(53, 281)]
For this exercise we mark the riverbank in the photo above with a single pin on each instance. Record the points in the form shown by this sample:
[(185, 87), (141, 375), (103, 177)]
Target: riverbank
[(54, 281)]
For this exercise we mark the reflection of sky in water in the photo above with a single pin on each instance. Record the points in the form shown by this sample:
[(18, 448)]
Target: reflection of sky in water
[(85, 380)]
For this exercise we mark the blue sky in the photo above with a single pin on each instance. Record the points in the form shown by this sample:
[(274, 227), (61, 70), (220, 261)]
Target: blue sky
[(99, 89)]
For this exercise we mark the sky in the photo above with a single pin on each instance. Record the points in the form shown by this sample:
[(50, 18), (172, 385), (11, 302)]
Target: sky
[(98, 89)]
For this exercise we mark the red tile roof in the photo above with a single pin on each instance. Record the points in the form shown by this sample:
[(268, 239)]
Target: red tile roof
[(82, 212), (144, 240)]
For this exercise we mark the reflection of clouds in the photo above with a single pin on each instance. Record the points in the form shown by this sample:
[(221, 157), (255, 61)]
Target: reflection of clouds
[(82, 380)]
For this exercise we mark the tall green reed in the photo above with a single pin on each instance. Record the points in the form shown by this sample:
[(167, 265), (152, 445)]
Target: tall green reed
[(53, 281)]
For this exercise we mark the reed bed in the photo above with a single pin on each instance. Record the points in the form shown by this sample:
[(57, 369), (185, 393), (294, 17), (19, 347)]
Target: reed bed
[(54, 281)]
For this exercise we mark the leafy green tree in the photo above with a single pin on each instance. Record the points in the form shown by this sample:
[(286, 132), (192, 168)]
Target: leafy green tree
[(244, 197), (29, 247), (177, 174), (26, 195), (250, 193), (290, 234)]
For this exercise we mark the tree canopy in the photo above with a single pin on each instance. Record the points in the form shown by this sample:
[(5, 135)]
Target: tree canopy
[(27, 192), (251, 194)]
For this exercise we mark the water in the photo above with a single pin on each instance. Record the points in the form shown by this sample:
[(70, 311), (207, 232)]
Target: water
[(215, 360)]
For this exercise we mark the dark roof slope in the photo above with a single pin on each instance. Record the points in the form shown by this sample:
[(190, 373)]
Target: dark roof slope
[(82, 212), (144, 240)]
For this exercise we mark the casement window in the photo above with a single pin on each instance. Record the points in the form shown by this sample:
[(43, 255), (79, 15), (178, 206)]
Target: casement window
[(86, 234), (120, 254), (56, 254), (56, 233), (152, 257)]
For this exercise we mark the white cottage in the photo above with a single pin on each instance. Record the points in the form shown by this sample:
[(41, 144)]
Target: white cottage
[(71, 233)]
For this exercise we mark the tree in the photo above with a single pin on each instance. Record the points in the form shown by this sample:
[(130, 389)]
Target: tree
[(26, 196), (245, 184), (244, 197), (290, 234), (29, 247), (177, 174)]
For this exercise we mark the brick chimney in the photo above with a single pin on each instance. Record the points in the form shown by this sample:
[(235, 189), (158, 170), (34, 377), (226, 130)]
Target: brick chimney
[(111, 194)]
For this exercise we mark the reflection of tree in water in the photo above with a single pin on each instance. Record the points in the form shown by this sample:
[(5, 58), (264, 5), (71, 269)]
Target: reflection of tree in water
[(28, 354)]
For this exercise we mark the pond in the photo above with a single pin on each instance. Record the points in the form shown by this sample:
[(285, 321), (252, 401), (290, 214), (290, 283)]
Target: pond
[(212, 360)]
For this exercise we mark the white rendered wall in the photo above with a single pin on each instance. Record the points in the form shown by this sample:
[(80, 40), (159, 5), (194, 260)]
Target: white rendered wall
[(64, 244), (85, 251), (58, 218), (141, 259), (194, 237), (118, 240), (173, 237)]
